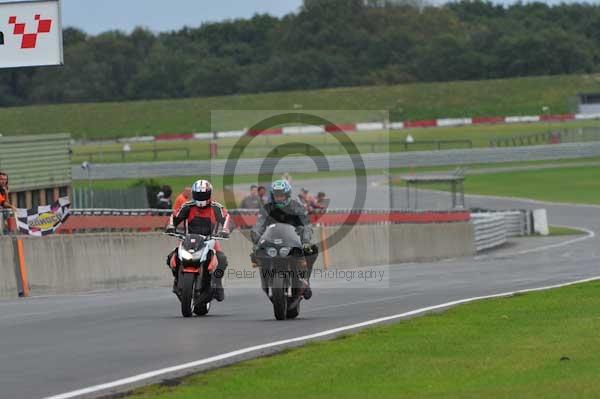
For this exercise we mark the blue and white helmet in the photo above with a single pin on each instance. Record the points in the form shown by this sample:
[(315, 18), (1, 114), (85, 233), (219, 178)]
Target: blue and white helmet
[(281, 188), (202, 193)]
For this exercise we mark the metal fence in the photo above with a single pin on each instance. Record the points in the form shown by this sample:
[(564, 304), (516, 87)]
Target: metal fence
[(4, 215), (126, 198), (152, 154), (579, 135), (198, 153), (381, 161)]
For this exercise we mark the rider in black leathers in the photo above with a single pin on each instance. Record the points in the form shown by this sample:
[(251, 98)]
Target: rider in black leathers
[(281, 208)]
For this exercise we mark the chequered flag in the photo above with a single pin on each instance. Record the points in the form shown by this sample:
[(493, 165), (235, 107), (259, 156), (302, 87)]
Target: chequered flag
[(44, 220)]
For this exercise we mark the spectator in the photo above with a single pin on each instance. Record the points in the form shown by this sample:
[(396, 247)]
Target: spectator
[(307, 200), (251, 201), (322, 202), (164, 198), (4, 203), (263, 195), (4, 190), (182, 198)]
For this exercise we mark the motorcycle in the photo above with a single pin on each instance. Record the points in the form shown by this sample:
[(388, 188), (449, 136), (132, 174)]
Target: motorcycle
[(283, 269), (197, 256)]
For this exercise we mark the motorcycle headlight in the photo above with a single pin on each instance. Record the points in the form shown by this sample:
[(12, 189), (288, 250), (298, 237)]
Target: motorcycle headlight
[(272, 252), (284, 251), (185, 255)]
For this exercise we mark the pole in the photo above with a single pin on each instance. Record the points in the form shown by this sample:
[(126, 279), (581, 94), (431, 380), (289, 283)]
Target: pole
[(391, 190), (90, 190), (325, 248), (20, 268)]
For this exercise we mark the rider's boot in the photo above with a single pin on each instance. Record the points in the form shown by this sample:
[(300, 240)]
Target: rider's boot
[(307, 294), (217, 278), (310, 262), (304, 277), (219, 291), (174, 271)]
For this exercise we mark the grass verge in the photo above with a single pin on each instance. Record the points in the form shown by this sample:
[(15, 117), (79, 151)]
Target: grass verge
[(537, 345), (520, 96), (567, 184), (565, 231)]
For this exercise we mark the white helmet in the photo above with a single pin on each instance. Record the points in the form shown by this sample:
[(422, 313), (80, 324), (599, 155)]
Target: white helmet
[(202, 193)]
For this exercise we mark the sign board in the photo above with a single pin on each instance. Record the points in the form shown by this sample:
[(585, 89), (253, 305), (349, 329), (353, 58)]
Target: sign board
[(30, 34)]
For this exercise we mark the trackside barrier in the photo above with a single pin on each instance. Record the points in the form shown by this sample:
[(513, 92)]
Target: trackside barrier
[(489, 230), (16, 254), (518, 223), (364, 126), (8, 278), (63, 264), (147, 220)]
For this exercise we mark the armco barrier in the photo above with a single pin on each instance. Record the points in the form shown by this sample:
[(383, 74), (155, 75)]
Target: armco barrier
[(517, 222), (489, 231), (62, 264)]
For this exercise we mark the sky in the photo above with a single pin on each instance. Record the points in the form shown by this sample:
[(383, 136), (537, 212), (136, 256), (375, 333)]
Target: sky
[(95, 16)]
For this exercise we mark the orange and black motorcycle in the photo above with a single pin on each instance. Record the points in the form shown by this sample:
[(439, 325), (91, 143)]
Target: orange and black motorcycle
[(197, 258)]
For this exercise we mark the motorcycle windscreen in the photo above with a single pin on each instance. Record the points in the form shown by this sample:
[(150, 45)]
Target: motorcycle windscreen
[(281, 234), (193, 242)]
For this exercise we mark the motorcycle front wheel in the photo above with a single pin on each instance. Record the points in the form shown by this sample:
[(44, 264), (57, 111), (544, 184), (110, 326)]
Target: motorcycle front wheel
[(280, 301), (202, 309), (187, 294)]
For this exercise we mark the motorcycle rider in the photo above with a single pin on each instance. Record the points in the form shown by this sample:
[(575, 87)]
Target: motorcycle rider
[(204, 216), (281, 208)]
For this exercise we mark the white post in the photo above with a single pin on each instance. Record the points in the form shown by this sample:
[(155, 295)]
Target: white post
[(540, 222)]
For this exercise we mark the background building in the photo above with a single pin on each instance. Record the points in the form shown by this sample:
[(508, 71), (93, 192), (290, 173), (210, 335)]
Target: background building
[(589, 103), (39, 168)]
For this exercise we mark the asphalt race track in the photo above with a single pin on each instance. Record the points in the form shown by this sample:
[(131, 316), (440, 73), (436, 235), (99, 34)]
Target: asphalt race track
[(53, 345)]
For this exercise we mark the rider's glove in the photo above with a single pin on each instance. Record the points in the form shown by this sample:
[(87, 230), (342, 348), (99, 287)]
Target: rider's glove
[(170, 229), (308, 249)]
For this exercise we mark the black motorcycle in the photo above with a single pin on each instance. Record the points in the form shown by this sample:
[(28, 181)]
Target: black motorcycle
[(283, 269), (197, 256)]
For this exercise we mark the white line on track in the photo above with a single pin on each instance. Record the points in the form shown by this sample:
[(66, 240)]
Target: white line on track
[(186, 366)]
